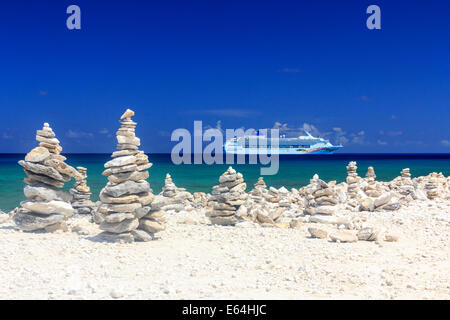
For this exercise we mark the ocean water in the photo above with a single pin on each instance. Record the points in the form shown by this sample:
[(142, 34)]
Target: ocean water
[(294, 171)]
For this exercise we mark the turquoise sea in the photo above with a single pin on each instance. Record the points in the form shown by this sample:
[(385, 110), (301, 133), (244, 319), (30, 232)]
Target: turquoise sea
[(295, 171)]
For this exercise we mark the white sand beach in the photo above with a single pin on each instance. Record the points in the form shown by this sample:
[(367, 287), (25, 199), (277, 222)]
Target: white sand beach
[(200, 261)]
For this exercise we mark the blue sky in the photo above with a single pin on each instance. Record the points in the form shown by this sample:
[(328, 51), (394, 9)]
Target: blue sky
[(252, 64)]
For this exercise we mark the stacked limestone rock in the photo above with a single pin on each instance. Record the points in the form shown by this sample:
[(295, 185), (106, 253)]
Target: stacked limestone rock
[(46, 207), (259, 192), (405, 174), (352, 183), (272, 207), (172, 197), (227, 197), (200, 199), (81, 194), (322, 199), (407, 186), (371, 189), (127, 196), (431, 186)]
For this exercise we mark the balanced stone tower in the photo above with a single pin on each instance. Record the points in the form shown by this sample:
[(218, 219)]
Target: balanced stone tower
[(352, 182), (47, 207), (322, 197), (371, 189), (172, 197), (81, 193), (431, 186), (127, 196), (260, 192), (227, 197)]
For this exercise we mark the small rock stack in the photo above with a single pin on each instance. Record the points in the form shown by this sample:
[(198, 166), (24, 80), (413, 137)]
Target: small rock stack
[(259, 193), (406, 175), (46, 207), (431, 187), (172, 197), (371, 189), (285, 197), (406, 184), (170, 189), (352, 182), (272, 196), (81, 194), (127, 196), (370, 174), (227, 197), (322, 197)]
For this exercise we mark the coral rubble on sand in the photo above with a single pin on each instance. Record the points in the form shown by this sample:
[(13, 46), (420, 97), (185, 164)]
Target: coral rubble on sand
[(46, 207)]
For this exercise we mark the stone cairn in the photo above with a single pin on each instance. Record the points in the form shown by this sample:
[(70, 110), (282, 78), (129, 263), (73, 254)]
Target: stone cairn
[(431, 186), (172, 197), (47, 207), (81, 194), (127, 196), (227, 197), (352, 183), (321, 196), (371, 188), (259, 193), (406, 184)]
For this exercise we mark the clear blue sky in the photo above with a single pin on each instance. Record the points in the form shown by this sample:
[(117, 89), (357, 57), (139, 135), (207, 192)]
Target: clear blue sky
[(311, 64)]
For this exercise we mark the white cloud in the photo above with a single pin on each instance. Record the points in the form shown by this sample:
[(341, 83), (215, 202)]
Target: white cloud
[(394, 133), (104, 131), (364, 98), (289, 70), (6, 136), (311, 129), (383, 143), (78, 134), (164, 133), (445, 143), (280, 126), (337, 135), (218, 126), (236, 113), (358, 138)]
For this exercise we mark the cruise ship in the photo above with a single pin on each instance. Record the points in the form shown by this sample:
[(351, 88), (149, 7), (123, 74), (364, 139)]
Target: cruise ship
[(256, 144)]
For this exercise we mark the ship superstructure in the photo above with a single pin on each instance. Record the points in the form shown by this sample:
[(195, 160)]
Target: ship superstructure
[(257, 144)]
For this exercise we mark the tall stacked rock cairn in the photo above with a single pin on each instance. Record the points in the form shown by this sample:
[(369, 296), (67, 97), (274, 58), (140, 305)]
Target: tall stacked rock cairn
[(47, 207), (371, 189), (407, 188), (81, 195), (126, 199), (352, 184), (226, 198)]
